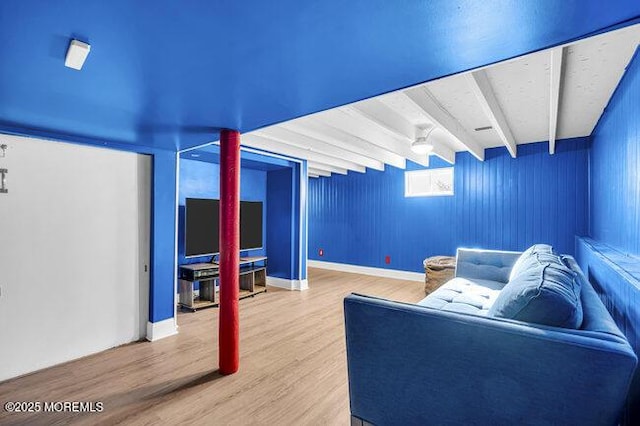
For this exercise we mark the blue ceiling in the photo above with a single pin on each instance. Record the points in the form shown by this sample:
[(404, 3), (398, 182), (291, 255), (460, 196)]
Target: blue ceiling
[(168, 74)]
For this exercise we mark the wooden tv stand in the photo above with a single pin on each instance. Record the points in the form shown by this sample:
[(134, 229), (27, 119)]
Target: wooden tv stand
[(253, 280)]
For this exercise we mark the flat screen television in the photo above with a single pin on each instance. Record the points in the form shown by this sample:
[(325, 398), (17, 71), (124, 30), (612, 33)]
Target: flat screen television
[(250, 225), (202, 225), (202, 222)]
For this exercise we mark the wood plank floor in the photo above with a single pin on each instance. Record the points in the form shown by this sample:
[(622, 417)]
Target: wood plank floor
[(292, 366)]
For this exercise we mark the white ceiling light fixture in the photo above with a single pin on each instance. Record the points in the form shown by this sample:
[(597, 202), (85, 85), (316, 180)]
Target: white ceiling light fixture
[(422, 145), (77, 54)]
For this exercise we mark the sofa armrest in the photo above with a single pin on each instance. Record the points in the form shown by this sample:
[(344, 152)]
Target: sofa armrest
[(409, 364), (494, 265)]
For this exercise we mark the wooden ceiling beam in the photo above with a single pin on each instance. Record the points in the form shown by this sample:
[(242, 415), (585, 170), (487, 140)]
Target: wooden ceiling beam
[(387, 119), (436, 114), (317, 172), (266, 144), (364, 128), (311, 126), (289, 137), (556, 66), (326, 167), (444, 152), (481, 88)]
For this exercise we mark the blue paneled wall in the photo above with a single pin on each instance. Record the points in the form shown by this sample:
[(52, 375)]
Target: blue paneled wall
[(280, 223), (615, 167), (501, 203), (286, 231), (613, 265)]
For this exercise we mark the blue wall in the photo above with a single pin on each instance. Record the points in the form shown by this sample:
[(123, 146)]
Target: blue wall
[(199, 179), (295, 214), (304, 225), (615, 167), (163, 237), (611, 261), (501, 203), (286, 231), (280, 223)]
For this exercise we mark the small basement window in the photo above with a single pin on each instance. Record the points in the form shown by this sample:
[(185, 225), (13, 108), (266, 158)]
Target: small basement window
[(428, 183)]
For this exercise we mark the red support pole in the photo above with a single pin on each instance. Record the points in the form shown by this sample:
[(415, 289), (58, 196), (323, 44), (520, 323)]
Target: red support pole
[(229, 325)]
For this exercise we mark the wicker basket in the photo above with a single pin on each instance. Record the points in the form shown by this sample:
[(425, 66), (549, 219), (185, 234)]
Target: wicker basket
[(438, 270)]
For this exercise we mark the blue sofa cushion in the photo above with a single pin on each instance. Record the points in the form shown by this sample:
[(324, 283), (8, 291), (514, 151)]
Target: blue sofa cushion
[(527, 257), (490, 265), (464, 296), (544, 291)]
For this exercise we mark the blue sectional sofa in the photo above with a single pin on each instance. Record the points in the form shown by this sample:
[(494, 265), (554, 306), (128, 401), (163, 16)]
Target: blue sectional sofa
[(514, 338)]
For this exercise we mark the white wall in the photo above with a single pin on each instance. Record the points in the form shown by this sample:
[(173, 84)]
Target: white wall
[(74, 241)]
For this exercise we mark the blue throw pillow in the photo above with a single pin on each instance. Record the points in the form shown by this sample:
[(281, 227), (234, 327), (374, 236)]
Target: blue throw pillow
[(545, 292), (526, 257)]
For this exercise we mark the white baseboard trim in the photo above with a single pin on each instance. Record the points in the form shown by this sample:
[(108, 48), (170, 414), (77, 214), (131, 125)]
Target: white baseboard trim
[(161, 329), (299, 285), (367, 270), (302, 285)]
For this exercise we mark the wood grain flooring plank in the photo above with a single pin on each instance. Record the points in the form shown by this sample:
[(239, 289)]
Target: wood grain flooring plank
[(292, 365)]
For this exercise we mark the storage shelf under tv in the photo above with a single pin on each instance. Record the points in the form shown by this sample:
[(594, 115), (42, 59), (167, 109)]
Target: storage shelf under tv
[(252, 281)]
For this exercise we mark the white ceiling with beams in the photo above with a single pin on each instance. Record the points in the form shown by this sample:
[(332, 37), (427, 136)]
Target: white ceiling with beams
[(544, 96)]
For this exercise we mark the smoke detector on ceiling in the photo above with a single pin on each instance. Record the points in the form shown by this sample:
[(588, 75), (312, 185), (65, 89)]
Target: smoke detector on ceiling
[(77, 54)]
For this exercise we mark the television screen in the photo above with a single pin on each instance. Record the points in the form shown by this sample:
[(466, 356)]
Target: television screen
[(250, 225), (201, 227)]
